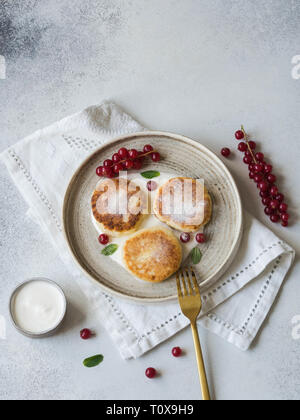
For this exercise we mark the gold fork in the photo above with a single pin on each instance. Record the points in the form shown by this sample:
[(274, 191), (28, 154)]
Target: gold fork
[(191, 305)]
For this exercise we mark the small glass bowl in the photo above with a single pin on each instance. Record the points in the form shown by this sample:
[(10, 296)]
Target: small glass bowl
[(44, 333)]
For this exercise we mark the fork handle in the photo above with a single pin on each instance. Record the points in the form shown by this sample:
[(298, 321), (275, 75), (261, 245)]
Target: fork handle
[(200, 362)]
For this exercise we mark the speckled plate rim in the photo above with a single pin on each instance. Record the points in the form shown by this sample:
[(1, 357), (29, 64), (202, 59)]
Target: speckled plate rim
[(235, 244)]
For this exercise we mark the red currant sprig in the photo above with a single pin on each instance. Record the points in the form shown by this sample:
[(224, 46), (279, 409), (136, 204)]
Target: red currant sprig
[(125, 160), (261, 173)]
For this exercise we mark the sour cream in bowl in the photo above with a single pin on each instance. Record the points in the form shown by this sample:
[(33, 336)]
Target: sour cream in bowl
[(38, 307)]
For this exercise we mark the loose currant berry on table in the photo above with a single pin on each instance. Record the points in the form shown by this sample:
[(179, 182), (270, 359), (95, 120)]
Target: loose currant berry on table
[(176, 351), (185, 237), (200, 238), (239, 135), (150, 372), (85, 334), (225, 152)]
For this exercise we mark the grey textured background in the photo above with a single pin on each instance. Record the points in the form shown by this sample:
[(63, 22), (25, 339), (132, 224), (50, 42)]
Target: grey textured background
[(196, 67)]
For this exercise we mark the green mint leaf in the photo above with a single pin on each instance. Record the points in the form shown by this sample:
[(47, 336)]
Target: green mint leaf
[(93, 361), (196, 255), (150, 174), (109, 249)]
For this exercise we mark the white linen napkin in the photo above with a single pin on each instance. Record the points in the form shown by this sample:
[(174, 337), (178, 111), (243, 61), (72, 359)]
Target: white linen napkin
[(235, 307)]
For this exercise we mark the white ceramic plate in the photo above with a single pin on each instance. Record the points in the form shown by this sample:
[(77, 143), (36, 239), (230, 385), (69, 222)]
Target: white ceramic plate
[(181, 156)]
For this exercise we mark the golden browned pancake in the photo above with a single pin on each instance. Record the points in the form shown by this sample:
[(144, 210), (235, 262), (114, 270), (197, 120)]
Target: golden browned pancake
[(118, 206), (184, 204), (152, 254)]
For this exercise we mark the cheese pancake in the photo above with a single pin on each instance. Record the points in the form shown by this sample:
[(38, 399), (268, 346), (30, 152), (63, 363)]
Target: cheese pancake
[(152, 254), (184, 204), (118, 206)]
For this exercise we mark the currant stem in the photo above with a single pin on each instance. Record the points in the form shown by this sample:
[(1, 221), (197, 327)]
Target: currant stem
[(248, 145)]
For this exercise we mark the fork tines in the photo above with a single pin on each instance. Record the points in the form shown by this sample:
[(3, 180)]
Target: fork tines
[(182, 279)]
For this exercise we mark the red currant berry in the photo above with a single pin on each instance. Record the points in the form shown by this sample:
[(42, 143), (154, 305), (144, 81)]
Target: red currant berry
[(248, 153), (103, 239), (200, 238), (252, 145), (239, 135), (137, 164), (283, 208), (155, 157), (258, 168), (263, 186), (268, 169), (128, 164), (274, 204), (285, 217), (107, 171), (176, 351), (247, 160), (274, 191), (123, 153), (260, 157), (269, 211), (107, 163), (284, 224), (151, 185), (185, 237), (133, 153), (225, 152), (251, 167), (99, 171), (141, 157), (264, 194), (258, 178), (147, 148), (280, 198), (116, 158), (272, 178), (251, 175), (150, 372), (242, 147), (266, 201), (85, 334), (274, 218), (118, 167)]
